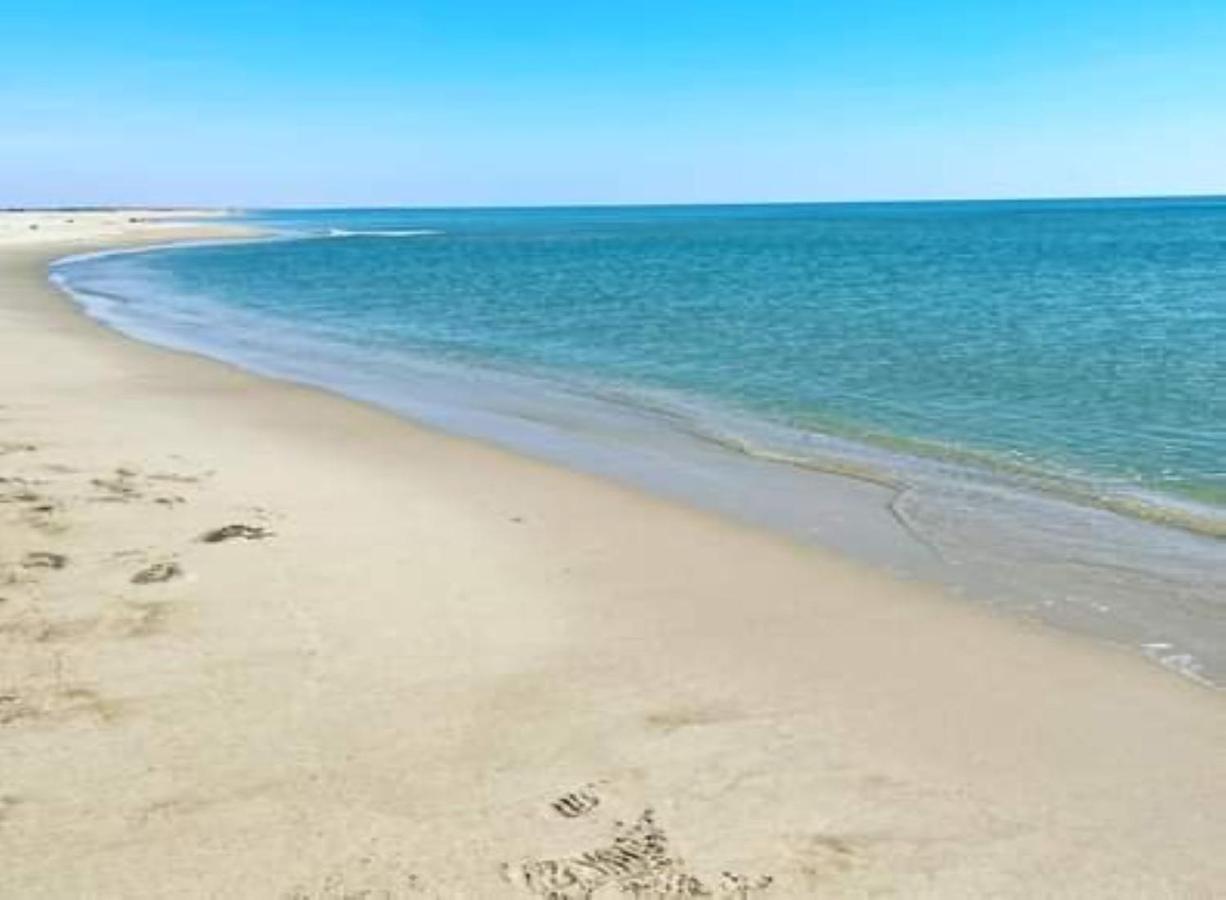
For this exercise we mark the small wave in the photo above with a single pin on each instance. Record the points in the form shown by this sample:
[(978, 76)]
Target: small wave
[(88, 295), (891, 463), (408, 232), (1185, 664)]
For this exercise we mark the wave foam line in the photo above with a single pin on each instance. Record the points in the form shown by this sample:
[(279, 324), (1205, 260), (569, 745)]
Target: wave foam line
[(409, 232)]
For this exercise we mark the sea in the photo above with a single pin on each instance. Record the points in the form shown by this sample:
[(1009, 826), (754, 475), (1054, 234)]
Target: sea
[(1023, 402)]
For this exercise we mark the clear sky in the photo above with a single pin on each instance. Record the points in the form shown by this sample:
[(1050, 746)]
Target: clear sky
[(388, 102)]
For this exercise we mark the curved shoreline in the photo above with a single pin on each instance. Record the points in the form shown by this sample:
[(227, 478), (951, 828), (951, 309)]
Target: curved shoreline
[(1161, 510), (801, 495)]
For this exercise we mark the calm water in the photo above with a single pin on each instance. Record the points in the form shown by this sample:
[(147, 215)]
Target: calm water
[(1001, 361)]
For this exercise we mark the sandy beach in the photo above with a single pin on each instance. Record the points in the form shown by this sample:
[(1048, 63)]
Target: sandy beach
[(260, 641)]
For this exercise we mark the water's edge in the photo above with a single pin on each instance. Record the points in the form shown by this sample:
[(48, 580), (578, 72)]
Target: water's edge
[(1158, 590)]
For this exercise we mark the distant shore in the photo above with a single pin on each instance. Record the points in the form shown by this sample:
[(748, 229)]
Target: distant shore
[(76, 225), (257, 641)]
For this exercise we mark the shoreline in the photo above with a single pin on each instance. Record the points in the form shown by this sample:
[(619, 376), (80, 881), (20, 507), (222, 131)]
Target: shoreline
[(1171, 511), (1164, 510), (952, 525), (438, 649)]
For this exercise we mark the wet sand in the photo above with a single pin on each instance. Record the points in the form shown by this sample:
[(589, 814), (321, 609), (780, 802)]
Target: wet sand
[(260, 641)]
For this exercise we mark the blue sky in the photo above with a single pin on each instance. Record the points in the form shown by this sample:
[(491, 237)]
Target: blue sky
[(464, 102)]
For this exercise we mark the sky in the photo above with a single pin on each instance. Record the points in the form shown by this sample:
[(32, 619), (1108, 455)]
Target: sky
[(494, 102)]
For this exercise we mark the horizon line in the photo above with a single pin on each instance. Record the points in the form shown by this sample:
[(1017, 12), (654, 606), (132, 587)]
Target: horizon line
[(600, 204)]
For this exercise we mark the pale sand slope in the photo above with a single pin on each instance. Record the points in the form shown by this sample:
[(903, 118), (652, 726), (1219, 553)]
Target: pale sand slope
[(439, 640)]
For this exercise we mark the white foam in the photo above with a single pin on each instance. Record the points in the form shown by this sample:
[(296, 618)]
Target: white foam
[(409, 232), (1184, 664)]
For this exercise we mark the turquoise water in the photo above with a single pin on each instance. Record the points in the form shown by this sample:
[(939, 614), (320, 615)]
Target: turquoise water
[(1035, 381), (1079, 342)]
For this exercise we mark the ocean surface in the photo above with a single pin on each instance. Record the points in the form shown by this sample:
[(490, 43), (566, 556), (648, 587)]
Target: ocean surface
[(1024, 401)]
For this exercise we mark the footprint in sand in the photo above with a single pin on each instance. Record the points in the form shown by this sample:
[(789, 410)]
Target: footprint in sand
[(119, 489), (41, 559), (576, 803), (638, 861), (126, 485), (177, 478), (158, 573), (17, 490), (47, 517), (233, 532)]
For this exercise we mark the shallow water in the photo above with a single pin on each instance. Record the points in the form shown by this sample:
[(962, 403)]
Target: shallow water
[(1027, 394)]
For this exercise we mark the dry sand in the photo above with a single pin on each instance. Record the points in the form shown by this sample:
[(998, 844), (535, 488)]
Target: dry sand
[(431, 668), (29, 227)]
